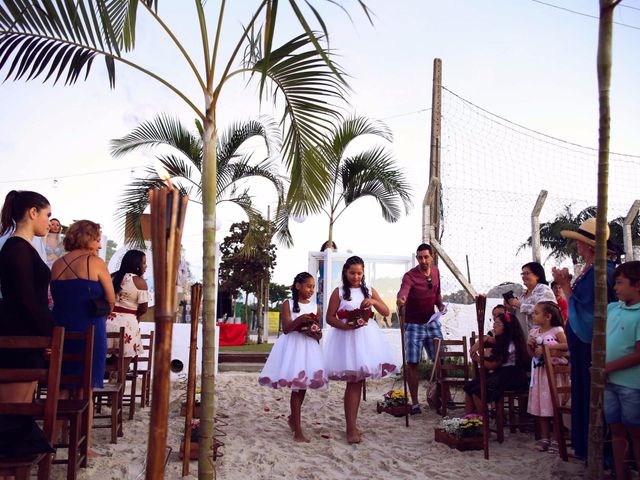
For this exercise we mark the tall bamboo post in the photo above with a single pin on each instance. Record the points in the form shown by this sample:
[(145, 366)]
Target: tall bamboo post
[(168, 208), (481, 305), (196, 300), (434, 152)]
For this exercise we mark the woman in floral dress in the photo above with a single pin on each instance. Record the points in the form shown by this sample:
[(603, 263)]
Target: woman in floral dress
[(132, 298)]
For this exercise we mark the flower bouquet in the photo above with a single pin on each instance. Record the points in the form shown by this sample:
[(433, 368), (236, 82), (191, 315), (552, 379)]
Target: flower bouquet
[(395, 403), (355, 318), (193, 448), (462, 433), (311, 327)]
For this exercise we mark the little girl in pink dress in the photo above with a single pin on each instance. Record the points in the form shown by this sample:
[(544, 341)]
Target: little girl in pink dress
[(548, 331)]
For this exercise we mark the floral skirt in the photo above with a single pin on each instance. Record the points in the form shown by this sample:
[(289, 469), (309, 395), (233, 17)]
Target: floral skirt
[(294, 362)]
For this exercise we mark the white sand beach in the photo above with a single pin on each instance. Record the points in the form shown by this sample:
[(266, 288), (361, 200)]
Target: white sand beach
[(258, 445)]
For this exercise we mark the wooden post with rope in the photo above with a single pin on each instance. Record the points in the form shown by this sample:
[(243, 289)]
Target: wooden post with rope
[(196, 300), (481, 304)]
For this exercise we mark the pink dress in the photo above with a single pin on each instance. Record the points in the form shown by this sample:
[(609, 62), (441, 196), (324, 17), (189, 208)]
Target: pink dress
[(540, 403)]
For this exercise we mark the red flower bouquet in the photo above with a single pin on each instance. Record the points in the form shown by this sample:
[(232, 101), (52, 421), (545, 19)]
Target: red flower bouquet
[(355, 318), (311, 327)]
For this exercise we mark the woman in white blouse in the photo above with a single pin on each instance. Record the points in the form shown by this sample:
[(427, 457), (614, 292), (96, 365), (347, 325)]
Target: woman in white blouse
[(536, 290)]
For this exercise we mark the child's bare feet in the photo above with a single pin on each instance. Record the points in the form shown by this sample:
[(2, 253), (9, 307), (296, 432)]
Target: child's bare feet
[(354, 437)]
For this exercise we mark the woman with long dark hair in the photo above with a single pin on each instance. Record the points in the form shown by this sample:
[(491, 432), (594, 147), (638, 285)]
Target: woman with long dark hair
[(24, 280), (132, 298), (509, 361)]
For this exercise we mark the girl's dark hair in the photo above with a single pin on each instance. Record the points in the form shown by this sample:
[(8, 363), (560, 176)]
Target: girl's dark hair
[(131, 263), (16, 204), (512, 333), (538, 271), (300, 278), (551, 308), (499, 306), (355, 260)]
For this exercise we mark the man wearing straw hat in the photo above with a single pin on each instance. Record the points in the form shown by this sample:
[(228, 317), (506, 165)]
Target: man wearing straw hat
[(581, 297), (420, 293)]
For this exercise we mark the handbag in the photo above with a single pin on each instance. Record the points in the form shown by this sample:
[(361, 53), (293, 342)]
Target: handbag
[(98, 307)]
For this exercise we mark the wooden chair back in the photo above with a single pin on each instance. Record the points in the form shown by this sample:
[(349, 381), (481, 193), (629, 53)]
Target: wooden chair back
[(457, 353), (85, 358), (46, 410), (560, 395)]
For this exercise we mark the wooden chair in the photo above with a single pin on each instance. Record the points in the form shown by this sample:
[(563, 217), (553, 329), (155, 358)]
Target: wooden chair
[(75, 411), (47, 410), (456, 351), (141, 366), (561, 405), (518, 418), (113, 391)]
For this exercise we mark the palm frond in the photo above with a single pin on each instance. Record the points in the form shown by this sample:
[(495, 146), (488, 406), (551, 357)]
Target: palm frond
[(311, 92), (374, 173), (239, 132), (162, 130), (56, 38), (355, 127)]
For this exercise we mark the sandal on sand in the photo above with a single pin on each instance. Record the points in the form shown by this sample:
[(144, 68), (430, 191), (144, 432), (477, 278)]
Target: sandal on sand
[(543, 446)]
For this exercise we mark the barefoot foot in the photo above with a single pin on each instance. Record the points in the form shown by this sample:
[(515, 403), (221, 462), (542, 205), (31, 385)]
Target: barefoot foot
[(354, 437)]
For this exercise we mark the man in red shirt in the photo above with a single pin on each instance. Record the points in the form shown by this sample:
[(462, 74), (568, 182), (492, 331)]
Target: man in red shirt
[(420, 294), (562, 302)]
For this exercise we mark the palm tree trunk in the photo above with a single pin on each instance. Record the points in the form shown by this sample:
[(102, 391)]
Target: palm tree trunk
[(206, 465), (330, 239), (598, 346)]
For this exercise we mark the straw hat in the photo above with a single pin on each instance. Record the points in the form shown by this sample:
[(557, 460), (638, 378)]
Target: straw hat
[(586, 233)]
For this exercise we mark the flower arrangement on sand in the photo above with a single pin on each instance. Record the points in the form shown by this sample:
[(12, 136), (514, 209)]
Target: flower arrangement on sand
[(467, 426), (356, 318), (394, 402)]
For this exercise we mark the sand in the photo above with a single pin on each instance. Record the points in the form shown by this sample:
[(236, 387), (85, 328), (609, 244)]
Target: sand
[(259, 445)]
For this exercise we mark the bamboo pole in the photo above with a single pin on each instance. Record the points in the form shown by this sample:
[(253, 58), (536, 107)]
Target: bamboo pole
[(168, 208), (196, 300), (481, 304)]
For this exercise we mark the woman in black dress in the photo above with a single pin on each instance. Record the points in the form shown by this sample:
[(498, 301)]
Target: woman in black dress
[(24, 282)]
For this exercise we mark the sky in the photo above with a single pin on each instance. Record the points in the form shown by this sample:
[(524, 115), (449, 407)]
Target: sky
[(521, 59)]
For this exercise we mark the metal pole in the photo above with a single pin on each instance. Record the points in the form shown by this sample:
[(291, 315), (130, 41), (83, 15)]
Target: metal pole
[(535, 225), (626, 231)]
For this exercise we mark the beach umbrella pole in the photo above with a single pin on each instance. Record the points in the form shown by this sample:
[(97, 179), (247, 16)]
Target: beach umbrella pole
[(168, 208)]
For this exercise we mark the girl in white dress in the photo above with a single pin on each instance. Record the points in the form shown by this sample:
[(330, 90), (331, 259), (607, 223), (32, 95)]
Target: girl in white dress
[(354, 352), (296, 358)]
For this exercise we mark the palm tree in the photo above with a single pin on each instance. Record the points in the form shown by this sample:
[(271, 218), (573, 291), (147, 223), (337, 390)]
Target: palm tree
[(562, 248), (371, 173), (184, 166), (52, 39)]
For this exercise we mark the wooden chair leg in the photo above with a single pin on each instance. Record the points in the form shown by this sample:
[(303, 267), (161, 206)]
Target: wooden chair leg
[(84, 431), (74, 436), (364, 390), (558, 427), (443, 399), (114, 420), (132, 398), (512, 414), (44, 467), (500, 419), (147, 392)]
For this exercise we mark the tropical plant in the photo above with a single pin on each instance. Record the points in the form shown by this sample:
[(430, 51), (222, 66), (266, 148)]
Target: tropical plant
[(354, 175), (184, 168), (55, 39), (561, 248)]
